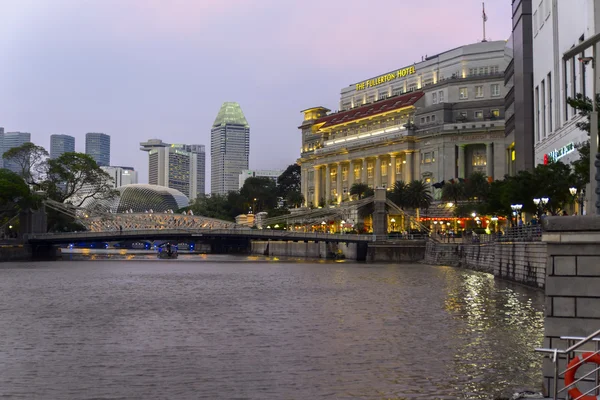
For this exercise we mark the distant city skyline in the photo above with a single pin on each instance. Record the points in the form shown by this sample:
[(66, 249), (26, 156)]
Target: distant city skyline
[(60, 144), (108, 78)]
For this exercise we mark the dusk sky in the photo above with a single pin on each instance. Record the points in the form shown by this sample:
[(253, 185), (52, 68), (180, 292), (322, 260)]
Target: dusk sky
[(141, 69)]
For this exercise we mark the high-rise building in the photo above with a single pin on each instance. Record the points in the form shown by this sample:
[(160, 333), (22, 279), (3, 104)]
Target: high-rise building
[(60, 144), (122, 176), (177, 166), (8, 141), (97, 145), (229, 148)]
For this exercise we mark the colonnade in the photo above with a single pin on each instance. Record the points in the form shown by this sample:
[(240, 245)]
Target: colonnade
[(462, 161), (377, 178)]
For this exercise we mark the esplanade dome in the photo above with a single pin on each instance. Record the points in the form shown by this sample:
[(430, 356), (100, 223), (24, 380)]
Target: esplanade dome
[(140, 197)]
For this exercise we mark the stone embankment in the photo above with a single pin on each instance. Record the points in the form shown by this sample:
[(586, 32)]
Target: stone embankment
[(523, 262)]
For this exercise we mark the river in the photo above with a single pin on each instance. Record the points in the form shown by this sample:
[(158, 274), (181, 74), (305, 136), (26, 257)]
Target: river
[(225, 327)]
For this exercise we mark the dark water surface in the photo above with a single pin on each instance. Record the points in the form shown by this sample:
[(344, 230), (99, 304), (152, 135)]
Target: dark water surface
[(231, 328)]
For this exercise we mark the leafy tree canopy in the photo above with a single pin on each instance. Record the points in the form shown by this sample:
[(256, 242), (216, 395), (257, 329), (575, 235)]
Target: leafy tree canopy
[(31, 161), (289, 181)]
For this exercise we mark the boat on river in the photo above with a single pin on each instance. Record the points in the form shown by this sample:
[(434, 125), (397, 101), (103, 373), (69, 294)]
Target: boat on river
[(167, 251)]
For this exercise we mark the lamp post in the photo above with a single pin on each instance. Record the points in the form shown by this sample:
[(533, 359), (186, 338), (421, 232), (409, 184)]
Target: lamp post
[(323, 224), (495, 221), (578, 196), (393, 221), (540, 204), (517, 212)]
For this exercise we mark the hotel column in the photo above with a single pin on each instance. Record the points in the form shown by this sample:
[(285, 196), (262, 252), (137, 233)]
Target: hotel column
[(461, 161), (363, 172), (489, 160), (317, 183), (377, 182), (339, 182), (350, 176), (392, 171), (304, 186), (408, 171), (327, 184)]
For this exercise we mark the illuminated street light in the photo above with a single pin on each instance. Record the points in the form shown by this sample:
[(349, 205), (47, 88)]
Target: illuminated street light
[(573, 191)]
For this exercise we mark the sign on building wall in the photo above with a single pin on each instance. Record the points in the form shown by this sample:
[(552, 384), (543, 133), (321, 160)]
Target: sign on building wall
[(401, 73), (557, 154)]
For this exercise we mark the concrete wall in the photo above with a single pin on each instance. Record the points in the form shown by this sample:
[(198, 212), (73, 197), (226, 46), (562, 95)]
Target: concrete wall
[(523, 262), (16, 253), (305, 250), (406, 251), (573, 285)]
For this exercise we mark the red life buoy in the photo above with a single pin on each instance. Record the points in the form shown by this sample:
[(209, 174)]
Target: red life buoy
[(572, 369)]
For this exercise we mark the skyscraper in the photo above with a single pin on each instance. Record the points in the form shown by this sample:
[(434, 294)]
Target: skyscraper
[(177, 166), (60, 144), (9, 140), (97, 145), (229, 148)]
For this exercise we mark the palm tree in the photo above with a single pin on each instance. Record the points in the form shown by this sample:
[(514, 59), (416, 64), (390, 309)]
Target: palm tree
[(361, 190), (418, 195), (294, 199), (453, 190), (398, 194)]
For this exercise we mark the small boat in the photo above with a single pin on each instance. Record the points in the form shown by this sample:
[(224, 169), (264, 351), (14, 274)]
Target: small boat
[(167, 251)]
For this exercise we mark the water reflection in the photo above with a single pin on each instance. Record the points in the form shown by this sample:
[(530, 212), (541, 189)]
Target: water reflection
[(222, 327)]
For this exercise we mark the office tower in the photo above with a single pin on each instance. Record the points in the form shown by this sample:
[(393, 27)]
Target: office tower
[(9, 140), (272, 174), (97, 145), (122, 176), (60, 144), (177, 166), (229, 148)]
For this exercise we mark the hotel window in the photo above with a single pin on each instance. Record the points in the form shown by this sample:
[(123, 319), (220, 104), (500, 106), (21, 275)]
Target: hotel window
[(472, 71), (536, 99), (495, 90), (441, 96), (478, 91), (434, 98), (357, 172), (333, 175), (412, 87), (550, 102), (478, 114), (433, 118), (369, 170), (495, 113), (464, 93), (344, 173), (398, 166), (422, 120), (495, 69), (479, 160), (427, 157), (428, 119), (543, 101), (384, 169)]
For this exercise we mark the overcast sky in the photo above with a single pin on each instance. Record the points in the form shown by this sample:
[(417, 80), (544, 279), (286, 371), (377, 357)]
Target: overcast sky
[(140, 69)]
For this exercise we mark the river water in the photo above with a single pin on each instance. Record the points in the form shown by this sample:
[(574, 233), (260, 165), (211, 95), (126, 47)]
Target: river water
[(224, 327)]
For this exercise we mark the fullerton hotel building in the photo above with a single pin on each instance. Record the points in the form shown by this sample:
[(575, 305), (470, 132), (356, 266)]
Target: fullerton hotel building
[(436, 120)]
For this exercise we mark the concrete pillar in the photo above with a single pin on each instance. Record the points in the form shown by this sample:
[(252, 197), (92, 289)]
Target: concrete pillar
[(317, 184), (377, 181), (363, 172), (392, 171), (379, 213), (461, 161), (350, 176), (408, 168), (304, 185), (339, 182), (327, 184), (489, 160)]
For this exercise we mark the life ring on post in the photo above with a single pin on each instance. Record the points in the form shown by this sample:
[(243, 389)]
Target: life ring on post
[(572, 369)]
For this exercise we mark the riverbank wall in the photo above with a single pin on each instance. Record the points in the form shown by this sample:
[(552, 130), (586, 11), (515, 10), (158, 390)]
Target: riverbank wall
[(305, 249), (523, 262), (15, 253)]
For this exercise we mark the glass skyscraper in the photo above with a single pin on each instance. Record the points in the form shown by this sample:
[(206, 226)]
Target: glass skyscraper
[(97, 145), (60, 144), (9, 140), (229, 148)]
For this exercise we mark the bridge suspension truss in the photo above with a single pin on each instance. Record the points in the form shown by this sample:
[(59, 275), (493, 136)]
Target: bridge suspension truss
[(97, 220), (347, 211)]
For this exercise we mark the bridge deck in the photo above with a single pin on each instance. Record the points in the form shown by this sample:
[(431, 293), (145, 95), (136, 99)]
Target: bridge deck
[(195, 234)]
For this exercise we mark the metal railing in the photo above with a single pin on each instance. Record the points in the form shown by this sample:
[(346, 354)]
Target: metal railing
[(574, 343), (530, 233)]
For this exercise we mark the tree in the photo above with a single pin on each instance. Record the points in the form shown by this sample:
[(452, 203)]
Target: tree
[(259, 193), (398, 194), (454, 191), (289, 181), (294, 199), (213, 206), (361, 190), (418, 196), (31, 161), (584, 106), (75, 177), (581, 167), (477, 187), (14, 193)]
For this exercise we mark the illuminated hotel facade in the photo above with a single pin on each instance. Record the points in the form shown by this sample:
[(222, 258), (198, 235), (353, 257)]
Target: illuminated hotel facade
[(436, 120)]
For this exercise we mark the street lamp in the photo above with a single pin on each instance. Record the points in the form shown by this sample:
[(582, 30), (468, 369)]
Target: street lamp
[(323, 225), (393, 221), (517, 211)]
